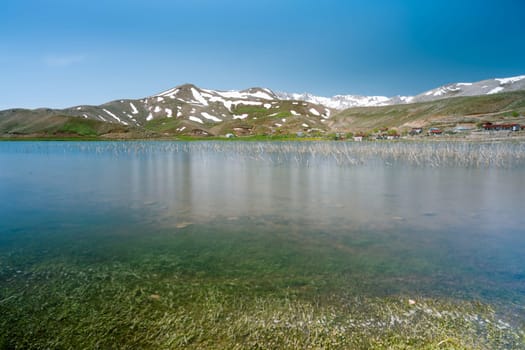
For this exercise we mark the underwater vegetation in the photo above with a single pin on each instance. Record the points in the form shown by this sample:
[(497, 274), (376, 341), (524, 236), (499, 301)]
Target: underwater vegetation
[(182, 288)]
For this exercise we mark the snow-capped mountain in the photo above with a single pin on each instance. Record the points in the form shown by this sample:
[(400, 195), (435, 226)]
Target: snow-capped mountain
[(190, 109), (194, 107), (485, 87), (338, 101)]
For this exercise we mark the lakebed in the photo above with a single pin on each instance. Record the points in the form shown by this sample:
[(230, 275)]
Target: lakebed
[(262, 245)]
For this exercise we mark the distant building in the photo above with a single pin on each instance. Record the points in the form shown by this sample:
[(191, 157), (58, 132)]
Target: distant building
[(416, 131), (497, 127)]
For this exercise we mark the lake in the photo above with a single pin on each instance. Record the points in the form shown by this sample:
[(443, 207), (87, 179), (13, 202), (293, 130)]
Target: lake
[(117, 240)]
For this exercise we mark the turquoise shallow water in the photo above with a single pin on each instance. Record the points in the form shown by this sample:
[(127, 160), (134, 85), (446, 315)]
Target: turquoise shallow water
[(282, 216)]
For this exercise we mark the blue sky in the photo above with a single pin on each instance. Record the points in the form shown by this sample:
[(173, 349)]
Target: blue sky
[(59, 53)]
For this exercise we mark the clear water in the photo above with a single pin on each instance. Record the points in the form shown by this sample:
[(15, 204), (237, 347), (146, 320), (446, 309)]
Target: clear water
[(297, 218)]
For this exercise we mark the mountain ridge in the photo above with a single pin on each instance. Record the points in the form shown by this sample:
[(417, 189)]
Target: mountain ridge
[(483, 87), (189, 110)]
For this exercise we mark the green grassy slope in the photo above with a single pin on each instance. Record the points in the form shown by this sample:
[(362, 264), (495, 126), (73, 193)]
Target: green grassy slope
[(443, 113), (259, 121), (39, 123)]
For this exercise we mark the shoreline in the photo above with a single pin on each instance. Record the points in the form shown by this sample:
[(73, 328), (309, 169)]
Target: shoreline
[(472, 137)]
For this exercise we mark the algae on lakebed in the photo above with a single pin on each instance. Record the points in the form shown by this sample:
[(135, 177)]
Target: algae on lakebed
[(218, 286)]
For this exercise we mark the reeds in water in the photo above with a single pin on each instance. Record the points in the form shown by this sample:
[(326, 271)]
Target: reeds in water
[(426, 154)]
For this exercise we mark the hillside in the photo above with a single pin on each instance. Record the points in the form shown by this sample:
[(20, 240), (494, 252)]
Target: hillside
[(52, 123), (445, 113), (182, 111)]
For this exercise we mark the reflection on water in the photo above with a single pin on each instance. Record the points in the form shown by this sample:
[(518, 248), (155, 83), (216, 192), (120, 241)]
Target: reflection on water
[(456, 227)]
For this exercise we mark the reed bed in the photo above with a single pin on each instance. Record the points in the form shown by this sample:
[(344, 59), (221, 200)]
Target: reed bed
[(425, 154)]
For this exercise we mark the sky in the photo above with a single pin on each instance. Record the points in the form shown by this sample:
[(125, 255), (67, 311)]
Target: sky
[(60, 53)]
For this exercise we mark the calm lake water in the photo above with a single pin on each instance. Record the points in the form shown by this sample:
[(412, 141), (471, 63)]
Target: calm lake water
[(384, 225)]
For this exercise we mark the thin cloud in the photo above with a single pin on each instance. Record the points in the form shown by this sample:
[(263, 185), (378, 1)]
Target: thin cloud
[(63, 60)]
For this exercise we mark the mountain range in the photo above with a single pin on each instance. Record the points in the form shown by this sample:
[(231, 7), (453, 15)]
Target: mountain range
[(190, 110), (484, 87)]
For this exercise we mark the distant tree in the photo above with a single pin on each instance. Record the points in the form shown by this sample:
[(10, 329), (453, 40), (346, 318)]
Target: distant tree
[(515, 114), (392, 132)]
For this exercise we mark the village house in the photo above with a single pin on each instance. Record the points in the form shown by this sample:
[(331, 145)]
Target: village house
[(416, 131), (498, 127), (435, 131)]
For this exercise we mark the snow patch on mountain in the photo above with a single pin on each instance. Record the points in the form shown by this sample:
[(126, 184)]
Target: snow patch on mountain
[(171, 93), (211, 117), (115, 117), (198, 97), (496, 90), (134, 109), (406, 99), (314, 112), (247, 103), (512, 80), (261, 94), (264, 94), (196, 119), (337, 101)]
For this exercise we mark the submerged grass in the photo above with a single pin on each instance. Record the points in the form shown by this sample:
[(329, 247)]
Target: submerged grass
[(116, 308), (219, 290)]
